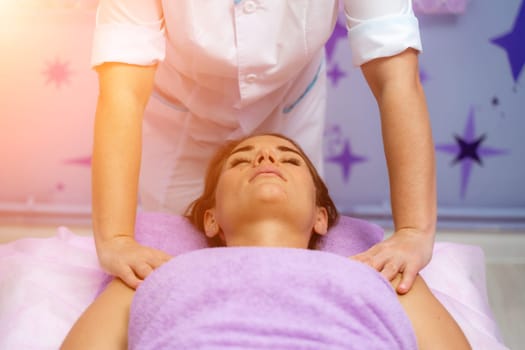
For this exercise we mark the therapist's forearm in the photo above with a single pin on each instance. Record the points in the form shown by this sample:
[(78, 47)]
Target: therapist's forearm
[(115, 166), (409, 151), (407, 139), (124, 91)]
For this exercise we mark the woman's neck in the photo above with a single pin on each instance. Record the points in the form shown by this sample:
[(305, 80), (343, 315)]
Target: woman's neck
[(267, 233)]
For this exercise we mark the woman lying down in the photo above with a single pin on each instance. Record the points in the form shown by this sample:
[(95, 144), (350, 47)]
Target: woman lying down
[(265, 204)]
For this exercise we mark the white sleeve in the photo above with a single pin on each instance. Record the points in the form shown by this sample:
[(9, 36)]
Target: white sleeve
[(129, 31), (380, 28)]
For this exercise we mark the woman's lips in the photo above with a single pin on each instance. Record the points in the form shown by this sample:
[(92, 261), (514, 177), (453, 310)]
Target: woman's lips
[(266, 170)]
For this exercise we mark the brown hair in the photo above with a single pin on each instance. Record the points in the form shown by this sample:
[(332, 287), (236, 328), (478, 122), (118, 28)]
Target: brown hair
[(195, 211)]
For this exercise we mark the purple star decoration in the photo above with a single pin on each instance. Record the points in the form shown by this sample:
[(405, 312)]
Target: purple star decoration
[(82, 161), (468, 149), (57, 72), (334, 74), (339, 33), (423, 76), (60, 186), (513, 43), (346, 159)]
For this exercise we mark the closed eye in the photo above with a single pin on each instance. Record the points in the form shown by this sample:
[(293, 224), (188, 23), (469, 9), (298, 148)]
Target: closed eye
[(293, 161), (238, 161)]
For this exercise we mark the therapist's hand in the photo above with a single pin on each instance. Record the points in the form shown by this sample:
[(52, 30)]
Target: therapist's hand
[(123, 257), (407, 251)]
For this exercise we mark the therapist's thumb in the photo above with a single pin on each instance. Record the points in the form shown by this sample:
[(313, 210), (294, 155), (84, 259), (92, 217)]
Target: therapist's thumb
[(407, 281)]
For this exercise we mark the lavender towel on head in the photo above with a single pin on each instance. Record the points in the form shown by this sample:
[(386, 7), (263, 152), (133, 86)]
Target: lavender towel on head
[(267, 298)]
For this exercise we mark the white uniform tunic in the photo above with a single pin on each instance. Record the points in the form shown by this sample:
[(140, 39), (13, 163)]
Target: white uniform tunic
[(229, 68)]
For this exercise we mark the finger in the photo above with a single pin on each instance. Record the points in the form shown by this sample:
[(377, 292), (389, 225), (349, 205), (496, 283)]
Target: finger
[(367, 256), (142, 270), (361, 257), (409, 276), (390, 270), (365, 259), (128, 276), (163, 254), (370, 253), (374, 262), (378, 263), (158, 258)]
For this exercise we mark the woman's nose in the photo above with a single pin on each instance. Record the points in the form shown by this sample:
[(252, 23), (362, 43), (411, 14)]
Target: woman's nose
[(265, 155)]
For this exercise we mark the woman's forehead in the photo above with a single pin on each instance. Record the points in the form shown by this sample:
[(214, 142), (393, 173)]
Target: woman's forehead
[(266, 140)]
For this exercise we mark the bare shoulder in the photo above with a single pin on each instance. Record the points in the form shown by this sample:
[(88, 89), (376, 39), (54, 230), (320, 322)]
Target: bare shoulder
[(103, 325), (435, 328)]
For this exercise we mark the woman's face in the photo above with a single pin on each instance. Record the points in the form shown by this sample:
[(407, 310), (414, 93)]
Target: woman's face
[(264, 177)]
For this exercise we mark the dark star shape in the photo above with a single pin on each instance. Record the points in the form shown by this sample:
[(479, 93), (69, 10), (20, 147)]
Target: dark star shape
[(513, 43), (346, 160), (339, 32), (335, 74), (468, 149)]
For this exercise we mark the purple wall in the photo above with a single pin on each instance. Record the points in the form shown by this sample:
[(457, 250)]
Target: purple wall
[(471, 68)]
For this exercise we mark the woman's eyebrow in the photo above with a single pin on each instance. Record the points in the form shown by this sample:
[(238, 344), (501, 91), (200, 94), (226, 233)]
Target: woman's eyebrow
[(242, 149), (251, 148), (288, 149)]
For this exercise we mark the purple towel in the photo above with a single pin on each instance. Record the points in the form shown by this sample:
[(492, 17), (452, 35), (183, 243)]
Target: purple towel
[(176, 235), (267, 298)]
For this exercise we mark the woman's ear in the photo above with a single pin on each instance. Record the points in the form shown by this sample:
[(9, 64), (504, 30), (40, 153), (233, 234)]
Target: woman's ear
[(211, 227), (321, 221)]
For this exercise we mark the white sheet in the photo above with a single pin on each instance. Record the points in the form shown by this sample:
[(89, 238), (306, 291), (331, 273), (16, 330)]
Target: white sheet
[(45, 284)]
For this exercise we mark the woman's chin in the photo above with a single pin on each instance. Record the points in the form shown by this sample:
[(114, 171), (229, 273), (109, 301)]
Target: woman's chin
[(269, 192)]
